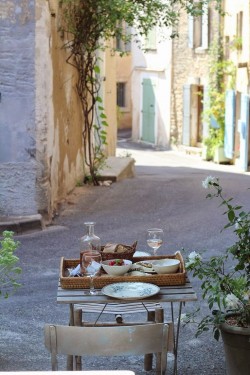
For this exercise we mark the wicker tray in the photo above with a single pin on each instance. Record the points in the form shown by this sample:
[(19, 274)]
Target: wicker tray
[(178, 278)]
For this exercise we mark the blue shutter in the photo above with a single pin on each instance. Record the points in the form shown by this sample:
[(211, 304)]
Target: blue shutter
[(244, 130), (229, 124), (186, 115)]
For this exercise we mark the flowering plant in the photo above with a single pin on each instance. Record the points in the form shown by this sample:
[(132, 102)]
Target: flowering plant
[(226, 278)]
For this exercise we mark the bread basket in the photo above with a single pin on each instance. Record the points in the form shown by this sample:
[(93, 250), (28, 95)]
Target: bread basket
[(126, 254)]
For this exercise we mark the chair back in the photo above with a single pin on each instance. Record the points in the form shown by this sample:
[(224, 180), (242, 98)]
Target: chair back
[(106, 341)]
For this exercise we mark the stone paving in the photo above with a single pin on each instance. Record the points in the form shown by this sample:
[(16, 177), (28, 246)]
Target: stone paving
[(166, 191)]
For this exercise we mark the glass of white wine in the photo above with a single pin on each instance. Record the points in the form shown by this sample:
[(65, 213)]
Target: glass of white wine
[(154, 238)]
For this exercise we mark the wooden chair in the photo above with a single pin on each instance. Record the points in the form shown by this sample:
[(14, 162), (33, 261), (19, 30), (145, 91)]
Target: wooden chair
[(107, 341), (154, 313)]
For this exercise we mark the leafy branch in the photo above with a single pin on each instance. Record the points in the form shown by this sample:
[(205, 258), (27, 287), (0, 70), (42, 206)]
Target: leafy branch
[(8, 269)]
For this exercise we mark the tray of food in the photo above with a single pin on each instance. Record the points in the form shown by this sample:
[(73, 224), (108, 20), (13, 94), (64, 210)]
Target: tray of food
[(143, 269)]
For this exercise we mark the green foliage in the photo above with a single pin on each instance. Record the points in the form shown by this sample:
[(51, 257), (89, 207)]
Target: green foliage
[(8, 270), (88, 25), (226, 288), (222, 75), (236, 44)]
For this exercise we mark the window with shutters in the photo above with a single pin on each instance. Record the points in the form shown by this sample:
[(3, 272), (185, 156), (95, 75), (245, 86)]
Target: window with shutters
[(121, 94), (198, 30), (239, 32), (123, 44)]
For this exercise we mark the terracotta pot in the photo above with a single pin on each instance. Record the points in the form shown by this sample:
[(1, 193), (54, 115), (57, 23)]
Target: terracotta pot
[(237, 349)]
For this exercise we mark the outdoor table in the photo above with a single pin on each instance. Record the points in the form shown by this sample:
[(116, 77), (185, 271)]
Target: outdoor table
[(179, 294)]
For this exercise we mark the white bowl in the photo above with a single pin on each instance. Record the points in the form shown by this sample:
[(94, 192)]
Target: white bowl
[(116, 270), (166, 265)]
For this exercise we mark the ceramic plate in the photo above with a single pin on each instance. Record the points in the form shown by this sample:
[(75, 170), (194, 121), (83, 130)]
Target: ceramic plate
[(131, 290)]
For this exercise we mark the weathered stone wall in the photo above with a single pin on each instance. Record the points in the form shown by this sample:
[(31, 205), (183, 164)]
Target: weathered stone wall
[(123, 74), (41, 156), (17, 108), (58, 114), (109, 98), (189, 66)]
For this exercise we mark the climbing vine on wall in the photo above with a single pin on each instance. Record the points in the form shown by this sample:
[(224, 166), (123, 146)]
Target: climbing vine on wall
[(87, 25), (222, 75)]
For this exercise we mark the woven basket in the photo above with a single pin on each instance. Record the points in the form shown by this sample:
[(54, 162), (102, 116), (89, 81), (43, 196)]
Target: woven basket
[(178, 278), (127, 254)]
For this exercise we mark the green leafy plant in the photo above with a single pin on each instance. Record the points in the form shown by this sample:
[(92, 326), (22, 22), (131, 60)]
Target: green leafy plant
[(222, 75), (8, 269), (236, 43), (226, 278)]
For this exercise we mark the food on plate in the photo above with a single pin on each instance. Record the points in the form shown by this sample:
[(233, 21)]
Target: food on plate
[(145, 264), (116, 262)]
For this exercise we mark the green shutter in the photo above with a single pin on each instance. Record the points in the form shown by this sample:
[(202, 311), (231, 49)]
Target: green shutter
[(150, 40)]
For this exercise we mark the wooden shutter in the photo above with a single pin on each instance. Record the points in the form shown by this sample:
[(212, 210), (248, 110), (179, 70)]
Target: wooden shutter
[(204, 27), (186, 115), (229, 124), (128, 33)]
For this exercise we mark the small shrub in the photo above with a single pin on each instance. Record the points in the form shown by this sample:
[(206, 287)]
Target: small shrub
[(8, 270)]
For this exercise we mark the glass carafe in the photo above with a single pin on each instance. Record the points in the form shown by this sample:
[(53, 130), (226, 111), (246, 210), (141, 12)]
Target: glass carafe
[(90, 241)]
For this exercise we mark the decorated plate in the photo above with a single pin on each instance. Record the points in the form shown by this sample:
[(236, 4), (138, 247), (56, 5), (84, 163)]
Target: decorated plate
[(130, 291)]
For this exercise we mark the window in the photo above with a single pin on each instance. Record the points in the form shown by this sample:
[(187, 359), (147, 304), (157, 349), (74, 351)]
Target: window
[(121, 94), (121, 44), (198, 30), (239, 24), (150, 40), (239, 32)]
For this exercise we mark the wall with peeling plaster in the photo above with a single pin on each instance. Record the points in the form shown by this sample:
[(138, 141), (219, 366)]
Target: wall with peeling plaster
[(41, 156)]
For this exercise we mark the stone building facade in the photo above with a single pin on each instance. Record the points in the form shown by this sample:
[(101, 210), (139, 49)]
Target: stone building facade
[(41, 148), (190, 59)]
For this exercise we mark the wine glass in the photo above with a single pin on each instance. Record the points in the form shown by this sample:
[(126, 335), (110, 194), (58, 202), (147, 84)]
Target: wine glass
[(154, 238), (90, 266)]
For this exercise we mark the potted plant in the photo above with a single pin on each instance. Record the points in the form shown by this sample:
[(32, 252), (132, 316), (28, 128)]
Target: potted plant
[(226, 286), (8, 269)]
